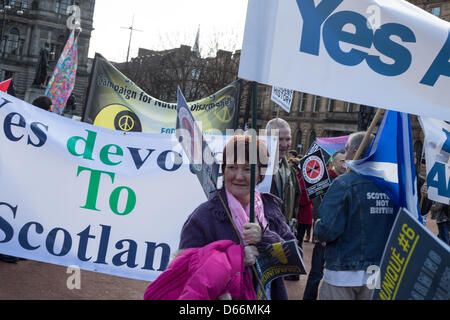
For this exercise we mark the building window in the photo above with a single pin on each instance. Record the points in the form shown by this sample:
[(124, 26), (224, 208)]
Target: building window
[(436, 11), (57, 47), (330, 105), (5, 75), (12, 43), (62, 5), (195, 74), (316, 105), (350, 107), (302, 103), (20, 4), (3, 43)]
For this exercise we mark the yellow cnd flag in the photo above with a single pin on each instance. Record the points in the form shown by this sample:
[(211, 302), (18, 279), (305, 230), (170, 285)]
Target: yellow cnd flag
[(115, 102)]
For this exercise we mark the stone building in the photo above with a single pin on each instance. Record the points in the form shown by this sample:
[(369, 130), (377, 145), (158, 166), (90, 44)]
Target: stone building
[(25, 28)]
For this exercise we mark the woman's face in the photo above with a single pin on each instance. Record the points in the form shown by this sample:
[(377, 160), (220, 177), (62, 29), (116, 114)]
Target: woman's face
[(237, 180)]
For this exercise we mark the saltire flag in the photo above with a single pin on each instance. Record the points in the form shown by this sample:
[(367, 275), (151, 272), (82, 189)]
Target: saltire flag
[(332, 144), (62, 82), (5, 85), (389, 162)]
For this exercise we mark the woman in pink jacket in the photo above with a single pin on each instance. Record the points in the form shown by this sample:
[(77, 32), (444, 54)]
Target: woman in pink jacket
[(226, 218)]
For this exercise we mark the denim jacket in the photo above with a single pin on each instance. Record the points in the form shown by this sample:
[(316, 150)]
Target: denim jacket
[(356, 219)]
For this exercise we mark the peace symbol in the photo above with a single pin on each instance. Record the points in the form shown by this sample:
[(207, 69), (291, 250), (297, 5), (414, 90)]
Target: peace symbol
[(126, 123), (225, 114)]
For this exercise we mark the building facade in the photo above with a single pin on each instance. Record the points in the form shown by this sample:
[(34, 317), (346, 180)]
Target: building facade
[(159, 73), (28, 26)]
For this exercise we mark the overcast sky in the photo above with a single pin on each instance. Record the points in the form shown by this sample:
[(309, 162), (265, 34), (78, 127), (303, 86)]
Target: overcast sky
[(166, 24)]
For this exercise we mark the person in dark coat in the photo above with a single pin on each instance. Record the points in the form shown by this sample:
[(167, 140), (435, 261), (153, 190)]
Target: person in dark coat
[(226, 216)]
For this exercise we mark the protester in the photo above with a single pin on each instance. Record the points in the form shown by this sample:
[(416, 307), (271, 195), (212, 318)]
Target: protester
[(294, 163), (337, 167), (292, 154), (425, 203), (226, 216), (355, 226), (43, 102), (441, 213), (305, 215), (285, 182)]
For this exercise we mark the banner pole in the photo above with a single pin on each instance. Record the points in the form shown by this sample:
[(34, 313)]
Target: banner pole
[(368, 132), (89, 88), (253, 155)]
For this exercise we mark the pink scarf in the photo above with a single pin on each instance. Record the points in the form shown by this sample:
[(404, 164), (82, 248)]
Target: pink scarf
[(241, 216)]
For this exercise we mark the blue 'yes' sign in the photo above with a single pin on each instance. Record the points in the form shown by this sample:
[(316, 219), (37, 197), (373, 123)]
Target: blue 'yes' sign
[(332, 25)]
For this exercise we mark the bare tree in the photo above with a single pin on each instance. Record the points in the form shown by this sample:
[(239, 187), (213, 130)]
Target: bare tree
[(159, 73)]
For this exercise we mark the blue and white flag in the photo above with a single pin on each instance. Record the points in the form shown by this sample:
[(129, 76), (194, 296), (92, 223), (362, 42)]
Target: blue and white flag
[(389, 162)]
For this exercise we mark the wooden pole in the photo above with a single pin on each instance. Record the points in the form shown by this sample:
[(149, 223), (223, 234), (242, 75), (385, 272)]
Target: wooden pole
[(372, 126)]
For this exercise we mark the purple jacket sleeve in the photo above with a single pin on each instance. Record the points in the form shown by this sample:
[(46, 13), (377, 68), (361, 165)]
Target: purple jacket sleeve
[(277, 230), (193, 233)]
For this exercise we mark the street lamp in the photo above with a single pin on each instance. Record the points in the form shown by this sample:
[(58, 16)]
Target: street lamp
[(3, 10)]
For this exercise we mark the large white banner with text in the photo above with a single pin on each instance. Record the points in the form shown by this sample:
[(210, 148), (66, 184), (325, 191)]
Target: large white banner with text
[(75, 194), (384, 53)]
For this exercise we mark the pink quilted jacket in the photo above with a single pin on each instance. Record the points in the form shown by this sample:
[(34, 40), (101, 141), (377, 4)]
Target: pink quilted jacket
[(204, 274)]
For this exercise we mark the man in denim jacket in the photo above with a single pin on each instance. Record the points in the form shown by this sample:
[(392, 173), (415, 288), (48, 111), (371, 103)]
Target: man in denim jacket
[(356, 219)]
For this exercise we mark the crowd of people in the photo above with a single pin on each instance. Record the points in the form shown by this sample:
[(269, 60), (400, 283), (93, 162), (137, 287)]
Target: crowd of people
[(219, 244), (339, 223)]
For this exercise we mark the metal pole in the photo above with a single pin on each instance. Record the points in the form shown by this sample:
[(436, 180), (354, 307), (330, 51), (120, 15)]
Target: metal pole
[(253, 154), (131, 35), (129, 43)]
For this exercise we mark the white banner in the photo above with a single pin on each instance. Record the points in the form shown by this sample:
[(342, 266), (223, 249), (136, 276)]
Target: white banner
[(283, 97), (437, 158), (384, 53), (74, 194)]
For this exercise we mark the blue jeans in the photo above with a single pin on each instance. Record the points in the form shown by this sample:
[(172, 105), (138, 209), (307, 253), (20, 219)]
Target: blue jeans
[(444, 228), (316, 272)]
